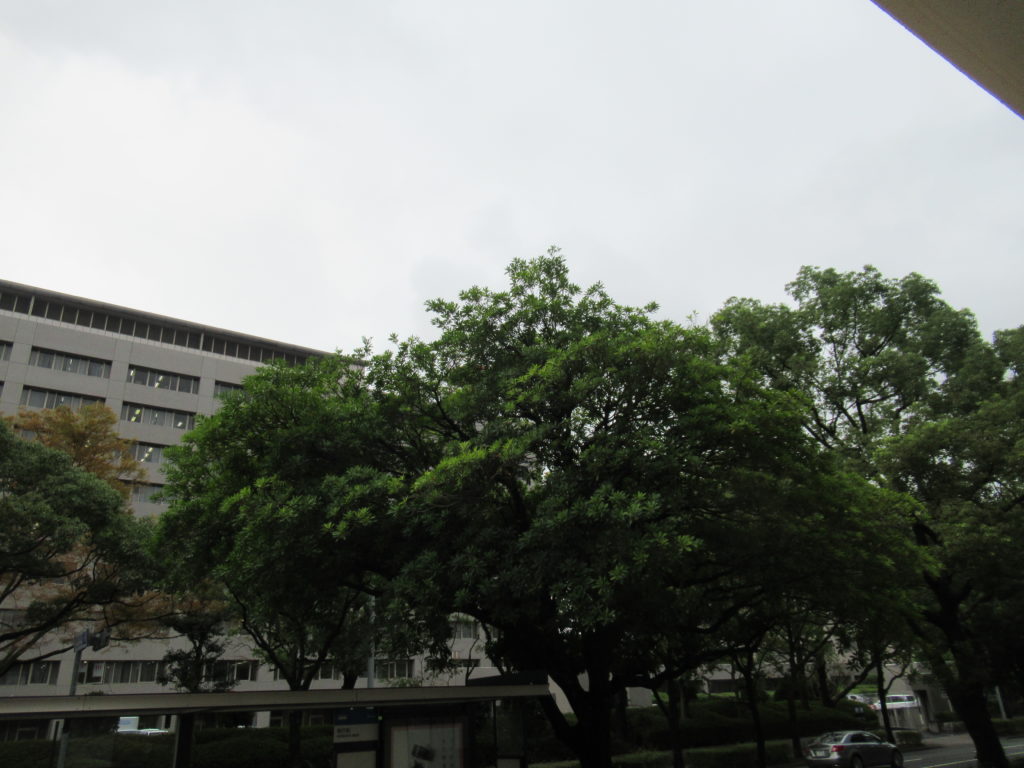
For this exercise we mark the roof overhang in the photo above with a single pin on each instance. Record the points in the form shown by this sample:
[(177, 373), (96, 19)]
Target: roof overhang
[(45, 707), (984, 39)]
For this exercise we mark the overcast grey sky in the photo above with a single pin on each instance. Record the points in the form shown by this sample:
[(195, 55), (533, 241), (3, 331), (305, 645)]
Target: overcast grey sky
[(314, 171)]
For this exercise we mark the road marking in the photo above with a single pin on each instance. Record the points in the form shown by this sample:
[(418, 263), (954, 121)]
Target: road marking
[(970, 761)]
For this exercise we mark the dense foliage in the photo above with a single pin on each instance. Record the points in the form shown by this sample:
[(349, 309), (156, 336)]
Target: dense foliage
[(618, 498), (68, 548)]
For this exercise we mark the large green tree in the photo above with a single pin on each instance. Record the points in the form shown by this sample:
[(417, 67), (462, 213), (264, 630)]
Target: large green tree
[(256, 493), (586, 480), (898, 386), (68, 548)]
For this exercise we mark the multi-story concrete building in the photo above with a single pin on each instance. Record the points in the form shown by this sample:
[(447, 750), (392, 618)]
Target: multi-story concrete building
[(157, 374)]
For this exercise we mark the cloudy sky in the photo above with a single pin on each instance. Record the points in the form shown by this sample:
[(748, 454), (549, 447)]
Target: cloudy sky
[(314, 171)]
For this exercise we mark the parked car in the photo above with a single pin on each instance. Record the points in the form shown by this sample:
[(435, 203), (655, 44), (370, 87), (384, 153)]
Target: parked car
[(862, 698), (898, 701), (851, 749)]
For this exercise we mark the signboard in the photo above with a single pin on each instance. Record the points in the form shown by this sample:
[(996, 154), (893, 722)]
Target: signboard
[(426, 745), (356, 725)]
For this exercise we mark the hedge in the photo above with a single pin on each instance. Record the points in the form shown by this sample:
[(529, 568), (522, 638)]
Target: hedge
[(730, 756)]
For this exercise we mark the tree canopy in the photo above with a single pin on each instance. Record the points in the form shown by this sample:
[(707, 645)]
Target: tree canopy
[(67, 547), (585, 479), (89, 437), (615, 496), (255, 493), (905, 391)]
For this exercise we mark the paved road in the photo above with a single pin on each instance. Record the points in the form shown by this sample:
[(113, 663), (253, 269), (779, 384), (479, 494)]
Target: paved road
[(954, 751)]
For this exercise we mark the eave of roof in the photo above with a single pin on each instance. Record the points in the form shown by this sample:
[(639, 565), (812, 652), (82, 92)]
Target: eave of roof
[(984, 39)]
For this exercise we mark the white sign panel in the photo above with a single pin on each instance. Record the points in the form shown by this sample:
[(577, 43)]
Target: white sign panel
[(430, 745)]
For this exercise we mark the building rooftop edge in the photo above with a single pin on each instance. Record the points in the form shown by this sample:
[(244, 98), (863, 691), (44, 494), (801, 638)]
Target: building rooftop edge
[(46, 293)]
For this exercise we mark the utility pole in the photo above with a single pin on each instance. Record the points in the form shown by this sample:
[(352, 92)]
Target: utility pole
[(83, 640)]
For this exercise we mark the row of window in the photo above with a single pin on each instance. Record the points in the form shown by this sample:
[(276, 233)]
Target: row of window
[(150, 377), (34, 397), (32, 673), (114, 322), (60, 361), (137, 374), (5, 350), (154, 671), (161, 417), (46, 672), (385, 669)]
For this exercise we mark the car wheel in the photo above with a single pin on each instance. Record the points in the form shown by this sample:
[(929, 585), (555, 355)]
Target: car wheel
[(856, 762), (897, 759)]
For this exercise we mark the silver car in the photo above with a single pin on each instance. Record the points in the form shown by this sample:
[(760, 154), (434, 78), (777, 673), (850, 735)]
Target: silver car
[(851, 749)]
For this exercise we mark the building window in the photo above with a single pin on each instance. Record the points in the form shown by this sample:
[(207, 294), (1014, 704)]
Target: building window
[(223, 387), (228, 671), (34, 397), (121, 672), (5, 350), (160, 417), (464, 629), (32, 673), (150, 377), (393, 669), (60, 361), (13, 301), (148, 452), (143, 493)]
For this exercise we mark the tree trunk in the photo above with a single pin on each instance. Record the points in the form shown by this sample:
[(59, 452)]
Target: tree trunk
[(621, 718), (794, 723), (295, 739), (821, 670), (972, 707), (184, 740), (672, 713), (881, 692), (590, 738), (750, 684)]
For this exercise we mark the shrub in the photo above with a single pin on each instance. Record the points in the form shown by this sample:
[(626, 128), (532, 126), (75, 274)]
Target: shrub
[(731, 756), (28, 753), (241, 753), (1009, 727), (738, 755)]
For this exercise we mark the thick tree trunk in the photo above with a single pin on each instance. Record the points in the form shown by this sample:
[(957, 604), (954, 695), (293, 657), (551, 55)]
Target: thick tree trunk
[(965, 680), (972, 707), (594, 723), (590, 738), (794, 725), (750, 684), (672, 712), (185, 738)]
